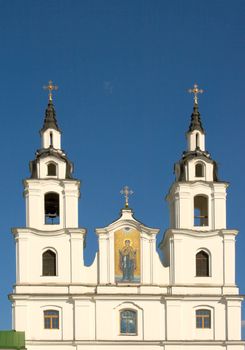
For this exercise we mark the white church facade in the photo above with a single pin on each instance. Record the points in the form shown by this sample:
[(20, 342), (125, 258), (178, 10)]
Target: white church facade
[(128, 298)]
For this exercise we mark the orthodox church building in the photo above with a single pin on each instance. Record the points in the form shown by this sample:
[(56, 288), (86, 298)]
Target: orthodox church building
[(128, 298)]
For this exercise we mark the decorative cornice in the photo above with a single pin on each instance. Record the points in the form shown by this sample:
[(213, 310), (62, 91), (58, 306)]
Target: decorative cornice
[(196, 233), (16, 231)]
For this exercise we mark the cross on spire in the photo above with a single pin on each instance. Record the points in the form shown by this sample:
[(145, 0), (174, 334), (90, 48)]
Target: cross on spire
[(195, 91), (50, 87), (126, 191)]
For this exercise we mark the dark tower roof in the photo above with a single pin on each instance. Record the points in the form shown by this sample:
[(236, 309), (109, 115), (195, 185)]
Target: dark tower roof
[(50, 118), (196, 123)]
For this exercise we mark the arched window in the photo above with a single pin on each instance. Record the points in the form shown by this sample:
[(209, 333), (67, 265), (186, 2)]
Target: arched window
[(49, 263), (52, 208), (51, 167), (200, 211), (51, 139), (51, 319), (202, 264), (197, 140), (199, 170), (128, 322), (203, 318)]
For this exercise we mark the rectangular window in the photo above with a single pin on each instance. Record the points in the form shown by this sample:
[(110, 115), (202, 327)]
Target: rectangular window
[(203, 319), (128, 322), (51, 319)]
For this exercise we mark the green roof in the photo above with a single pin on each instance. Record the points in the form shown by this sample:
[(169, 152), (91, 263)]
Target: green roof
[(12, 340)]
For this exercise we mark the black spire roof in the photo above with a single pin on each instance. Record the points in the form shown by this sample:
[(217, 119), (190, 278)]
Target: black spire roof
[(50, 118), (196, 123)]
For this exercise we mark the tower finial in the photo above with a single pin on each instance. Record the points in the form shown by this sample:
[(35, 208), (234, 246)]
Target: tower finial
[(195, 91), (126, 191), (50, 87)]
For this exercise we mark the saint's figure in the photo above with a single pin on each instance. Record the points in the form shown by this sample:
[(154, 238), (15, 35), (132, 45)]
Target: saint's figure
[(127, 261)]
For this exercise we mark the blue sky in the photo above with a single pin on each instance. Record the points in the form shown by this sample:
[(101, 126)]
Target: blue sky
[(123, 70)]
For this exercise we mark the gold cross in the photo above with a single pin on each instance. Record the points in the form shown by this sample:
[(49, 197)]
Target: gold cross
[(195, 91), (50, 87), (126, 192)]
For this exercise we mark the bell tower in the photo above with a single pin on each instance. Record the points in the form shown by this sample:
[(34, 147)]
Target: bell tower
[(51, 190), (197, 198), (198, 248), (197, 203), (50, 247)]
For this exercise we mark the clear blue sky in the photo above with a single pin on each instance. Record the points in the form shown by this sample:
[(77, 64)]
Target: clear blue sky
[(123, 70)]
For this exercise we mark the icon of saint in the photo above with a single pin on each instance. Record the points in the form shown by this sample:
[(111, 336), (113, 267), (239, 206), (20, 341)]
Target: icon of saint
[(127, 261)]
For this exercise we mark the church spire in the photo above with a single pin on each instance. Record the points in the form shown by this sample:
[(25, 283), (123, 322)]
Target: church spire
[(50, 121), (50, 155), (192, 165), (196, 123), (195, 134)]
